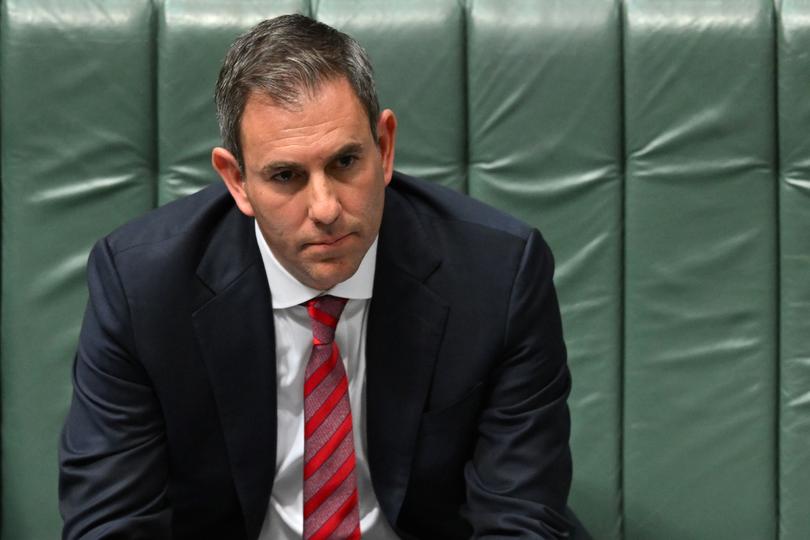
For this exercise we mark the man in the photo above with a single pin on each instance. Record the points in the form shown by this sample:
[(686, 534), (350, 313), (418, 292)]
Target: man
[(323, 348)]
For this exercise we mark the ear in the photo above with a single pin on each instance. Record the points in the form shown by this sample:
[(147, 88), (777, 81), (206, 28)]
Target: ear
[(386, 137), (228, 168)]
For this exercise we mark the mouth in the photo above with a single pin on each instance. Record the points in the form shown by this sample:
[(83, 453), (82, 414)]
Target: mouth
[(328, 242)]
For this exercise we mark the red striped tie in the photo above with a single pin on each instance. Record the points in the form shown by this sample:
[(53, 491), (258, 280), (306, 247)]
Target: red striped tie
[(330, 487)]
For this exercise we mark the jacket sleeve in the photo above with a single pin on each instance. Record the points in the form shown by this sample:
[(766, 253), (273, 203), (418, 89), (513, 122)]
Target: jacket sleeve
[(112, 452), (519, 476)]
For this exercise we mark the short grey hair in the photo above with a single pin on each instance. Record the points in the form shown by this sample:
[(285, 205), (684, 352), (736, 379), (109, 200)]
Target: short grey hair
[(286, 58)]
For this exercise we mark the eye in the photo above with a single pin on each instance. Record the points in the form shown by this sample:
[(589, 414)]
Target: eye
[(344, 162), (284, 177)]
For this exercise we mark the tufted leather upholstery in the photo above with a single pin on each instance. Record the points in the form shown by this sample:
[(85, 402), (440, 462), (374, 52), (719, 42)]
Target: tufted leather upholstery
[(662, 146)]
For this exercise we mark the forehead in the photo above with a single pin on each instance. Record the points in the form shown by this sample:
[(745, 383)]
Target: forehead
[(331, 111)]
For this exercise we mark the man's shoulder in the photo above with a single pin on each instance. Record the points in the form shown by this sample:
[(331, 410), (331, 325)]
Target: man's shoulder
[(441, 205), (186, 218)]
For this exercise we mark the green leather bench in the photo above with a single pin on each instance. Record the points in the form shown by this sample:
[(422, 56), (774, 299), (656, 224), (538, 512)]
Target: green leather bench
[(662, 146)]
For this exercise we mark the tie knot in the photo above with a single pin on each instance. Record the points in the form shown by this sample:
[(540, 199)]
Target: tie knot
[(324, 311)]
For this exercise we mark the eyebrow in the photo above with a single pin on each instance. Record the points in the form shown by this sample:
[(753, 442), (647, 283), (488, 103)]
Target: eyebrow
[(348, 148)]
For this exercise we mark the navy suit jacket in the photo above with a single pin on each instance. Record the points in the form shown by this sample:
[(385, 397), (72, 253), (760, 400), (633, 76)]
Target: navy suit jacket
[(172, 427)]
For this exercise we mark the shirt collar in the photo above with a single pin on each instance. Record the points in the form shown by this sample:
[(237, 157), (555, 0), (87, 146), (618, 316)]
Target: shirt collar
[(286, 291)]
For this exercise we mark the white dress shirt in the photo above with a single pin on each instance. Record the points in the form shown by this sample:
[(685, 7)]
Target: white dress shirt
[(293, 330)]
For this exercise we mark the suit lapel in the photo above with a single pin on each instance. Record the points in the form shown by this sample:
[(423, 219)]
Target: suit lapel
[(405, 329), (234, 327)]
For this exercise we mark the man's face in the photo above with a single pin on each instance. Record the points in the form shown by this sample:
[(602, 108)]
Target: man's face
[(314, 179)]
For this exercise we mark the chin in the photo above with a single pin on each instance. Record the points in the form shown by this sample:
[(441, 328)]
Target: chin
[(330, 274)]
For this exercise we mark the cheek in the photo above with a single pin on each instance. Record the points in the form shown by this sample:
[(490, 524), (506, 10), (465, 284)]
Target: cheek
[(375, 205), (280, 217), (362, 207), (277, 228), (368, 199)]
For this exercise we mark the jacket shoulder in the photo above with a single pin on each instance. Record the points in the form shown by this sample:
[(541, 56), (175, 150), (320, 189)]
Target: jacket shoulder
[(434, 202), (191, 216)]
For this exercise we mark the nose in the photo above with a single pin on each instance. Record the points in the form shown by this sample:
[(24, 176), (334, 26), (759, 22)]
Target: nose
[(324, 206)]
